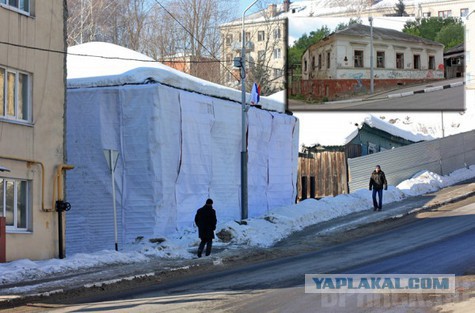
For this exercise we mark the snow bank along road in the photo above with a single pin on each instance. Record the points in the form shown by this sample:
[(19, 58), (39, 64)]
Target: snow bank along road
[(437, 241)]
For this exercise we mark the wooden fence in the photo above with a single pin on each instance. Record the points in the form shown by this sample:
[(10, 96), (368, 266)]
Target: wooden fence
[(321, 175)]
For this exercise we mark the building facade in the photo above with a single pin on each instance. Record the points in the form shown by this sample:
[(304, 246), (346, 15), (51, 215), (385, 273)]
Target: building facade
[(32, 98), (341, 62), (201, 67), (266, 48)]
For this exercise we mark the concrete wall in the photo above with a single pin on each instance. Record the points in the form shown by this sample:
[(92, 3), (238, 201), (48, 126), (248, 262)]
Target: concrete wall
[(42, 139)]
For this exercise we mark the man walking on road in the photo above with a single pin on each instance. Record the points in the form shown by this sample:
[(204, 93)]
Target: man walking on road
[(205, 219), (376, 183)]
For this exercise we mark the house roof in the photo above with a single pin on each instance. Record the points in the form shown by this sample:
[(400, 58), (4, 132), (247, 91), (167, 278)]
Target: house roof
[(338, 129), (359, 30), (100, 64), (458, 49)]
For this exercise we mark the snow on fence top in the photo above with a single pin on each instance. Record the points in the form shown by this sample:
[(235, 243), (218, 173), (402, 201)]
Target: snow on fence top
[(100, 64)]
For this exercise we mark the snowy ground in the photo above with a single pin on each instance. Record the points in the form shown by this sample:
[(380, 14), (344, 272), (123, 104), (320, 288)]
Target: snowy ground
[(259, 232)]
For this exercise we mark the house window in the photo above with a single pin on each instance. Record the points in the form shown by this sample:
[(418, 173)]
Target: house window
[(372, 148), (261, 55), (380, 59), (463, 12), (417, 62), (15, 203), (313, 62), (358, 58), (277, 33), (426, 14), (446, 13), (15, 95), (248, 36), (277, 54), (431, 62), (229, 39), (305, 65), (18, 5), (328, 59), (261, 35), (319, 61), (400, 60), (277, 73)]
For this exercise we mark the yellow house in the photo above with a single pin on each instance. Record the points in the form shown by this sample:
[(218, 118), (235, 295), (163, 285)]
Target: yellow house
[(32, 102)]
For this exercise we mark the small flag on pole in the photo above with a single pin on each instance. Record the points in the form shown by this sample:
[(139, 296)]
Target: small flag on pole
[(255, 94)]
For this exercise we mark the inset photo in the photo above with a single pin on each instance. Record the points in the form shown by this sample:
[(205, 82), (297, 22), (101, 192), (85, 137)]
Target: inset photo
[(376, 63)]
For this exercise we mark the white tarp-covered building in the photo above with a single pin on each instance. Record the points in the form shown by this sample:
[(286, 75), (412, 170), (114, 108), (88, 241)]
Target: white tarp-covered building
[(179, 140)]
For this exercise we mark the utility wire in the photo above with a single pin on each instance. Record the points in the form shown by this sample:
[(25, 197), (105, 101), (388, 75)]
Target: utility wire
[(194, 38)]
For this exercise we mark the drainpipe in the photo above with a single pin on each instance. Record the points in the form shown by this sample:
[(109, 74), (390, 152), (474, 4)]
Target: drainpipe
[(60, 204)]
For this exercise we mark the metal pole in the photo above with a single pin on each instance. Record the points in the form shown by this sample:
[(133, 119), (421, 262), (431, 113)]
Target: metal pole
[(371, 56), (244, 198), (443, 128), (115, 208)]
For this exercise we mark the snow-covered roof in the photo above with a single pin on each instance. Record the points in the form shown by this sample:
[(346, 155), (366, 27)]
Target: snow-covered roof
[(100, 64), (338, 129)]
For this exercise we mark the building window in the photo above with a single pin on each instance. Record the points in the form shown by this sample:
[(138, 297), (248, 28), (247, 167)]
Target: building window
[(15, 203), (417, 62), (372, 148), (426, 14), (261, 35), (431, 62), (328, 59), (277, 33), (261, 55), (277, 73), (319, 61), (400, 60), (305, 65), (358, 58), (463, 12), (446, 13), (380, 59), (313, 62), (18, 5), (229, 59), (15, 95), (229, 39), (277, 53)]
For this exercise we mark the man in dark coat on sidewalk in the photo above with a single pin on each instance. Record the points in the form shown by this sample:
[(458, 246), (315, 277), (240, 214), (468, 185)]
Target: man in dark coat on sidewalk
[(205, 219), (376, 183)]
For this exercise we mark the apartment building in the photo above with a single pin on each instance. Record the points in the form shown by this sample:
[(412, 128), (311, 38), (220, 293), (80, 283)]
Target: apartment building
[(32, 102)]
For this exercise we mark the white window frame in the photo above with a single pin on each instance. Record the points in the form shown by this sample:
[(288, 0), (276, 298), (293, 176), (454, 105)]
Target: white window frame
[(372, 148), (5, 4), (261, 35), (28, 104), (28, 212), (277, 53), (277, 33)]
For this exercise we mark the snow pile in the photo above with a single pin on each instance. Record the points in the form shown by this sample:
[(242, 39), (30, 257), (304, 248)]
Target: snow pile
[(258, 232), (267, 230), (100, 64)]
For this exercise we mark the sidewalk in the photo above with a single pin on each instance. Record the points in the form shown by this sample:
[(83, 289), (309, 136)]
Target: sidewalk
[(154, 268)]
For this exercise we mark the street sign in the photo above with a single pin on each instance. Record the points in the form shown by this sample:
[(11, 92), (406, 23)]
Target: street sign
[(111, 157)]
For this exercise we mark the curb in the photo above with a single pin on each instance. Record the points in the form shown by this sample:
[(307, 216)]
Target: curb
[(425, 90)]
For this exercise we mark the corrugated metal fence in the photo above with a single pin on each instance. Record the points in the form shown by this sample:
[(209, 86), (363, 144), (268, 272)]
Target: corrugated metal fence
[(324, 174), (440, 156)]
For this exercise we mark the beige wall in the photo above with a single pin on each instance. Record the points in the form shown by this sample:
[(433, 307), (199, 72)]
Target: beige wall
[(266, 45), (41, 140)]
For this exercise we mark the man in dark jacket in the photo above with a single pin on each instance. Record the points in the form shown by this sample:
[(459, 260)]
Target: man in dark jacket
[(205, 219), (376, 183)]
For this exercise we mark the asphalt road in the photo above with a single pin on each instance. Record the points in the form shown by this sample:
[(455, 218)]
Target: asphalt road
[(428, 243), (451, 99)]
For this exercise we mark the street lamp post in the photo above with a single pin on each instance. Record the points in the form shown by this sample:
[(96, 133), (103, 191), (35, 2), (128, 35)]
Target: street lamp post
[(371, 55), (244, 198)]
